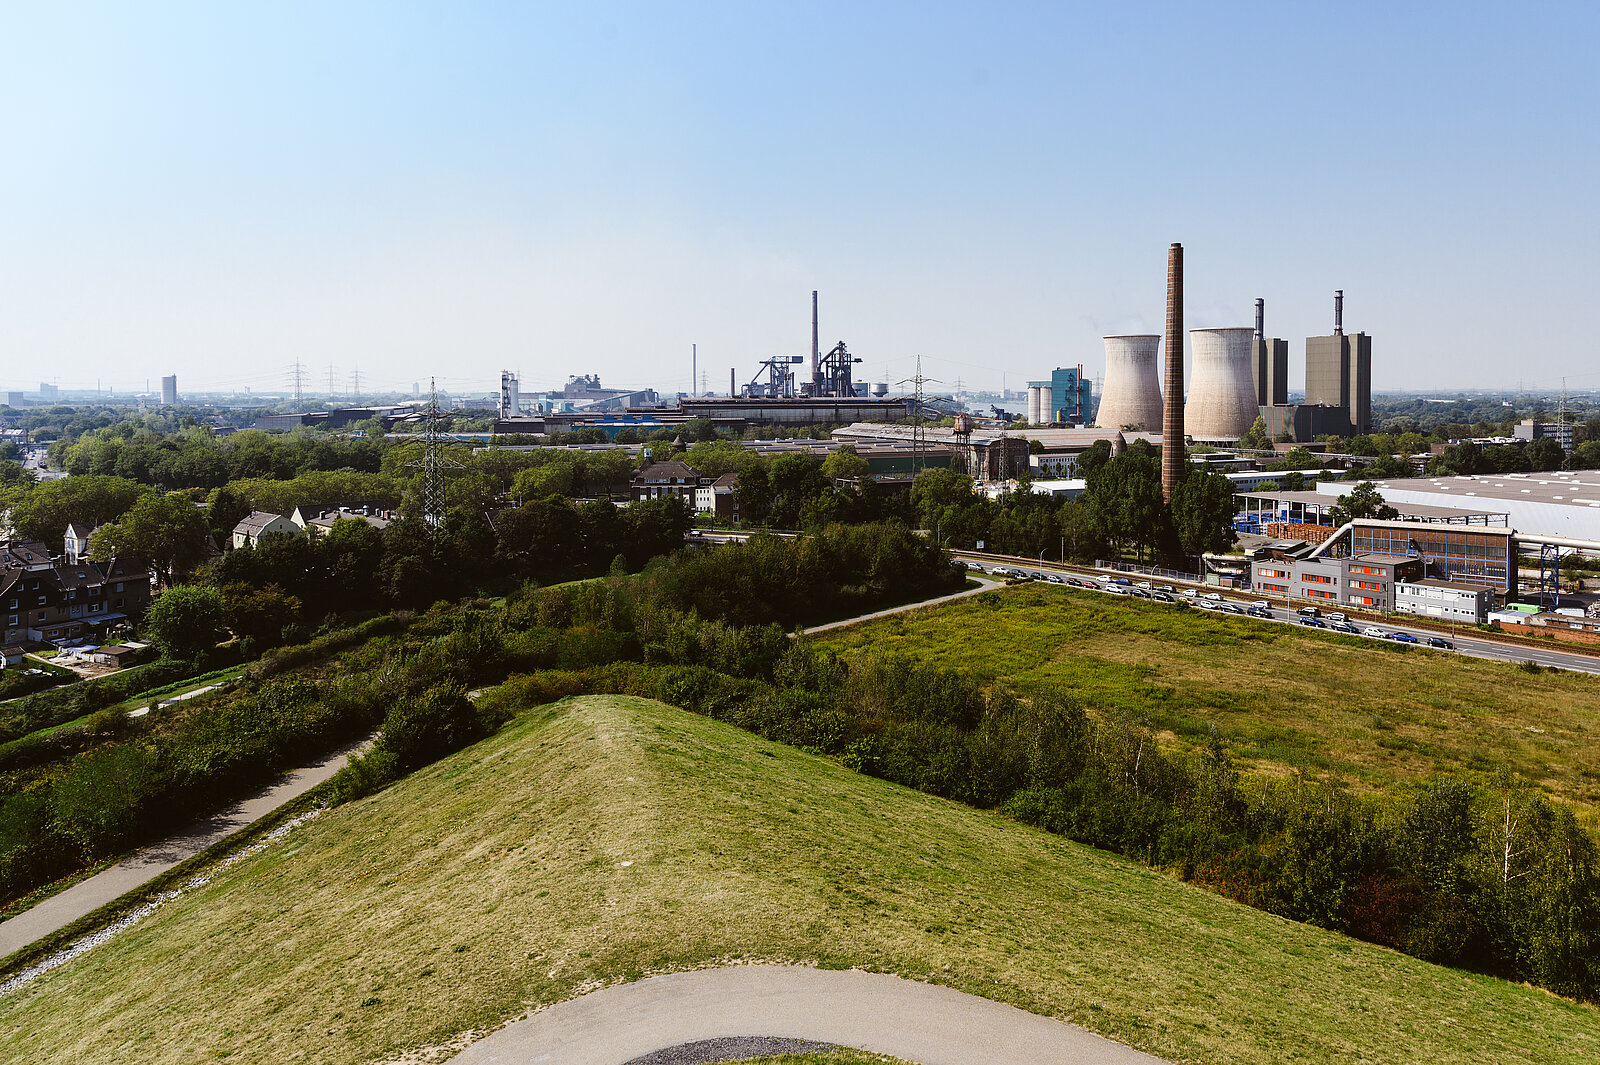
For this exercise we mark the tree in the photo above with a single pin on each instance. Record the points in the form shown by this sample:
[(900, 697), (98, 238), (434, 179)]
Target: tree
[(845, 465), (1545, 454), (1202, 512), (261, 613), (1257, 436), (1125, 498), (226, 509), (45, 511), (1362, 501), (185, 620), (166, 531)]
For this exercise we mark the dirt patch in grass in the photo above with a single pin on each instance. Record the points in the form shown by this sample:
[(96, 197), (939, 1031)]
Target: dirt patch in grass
[(603, 839)]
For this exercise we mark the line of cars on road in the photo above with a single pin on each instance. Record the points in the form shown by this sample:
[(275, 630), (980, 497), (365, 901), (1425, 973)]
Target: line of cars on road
[(1309, 616)]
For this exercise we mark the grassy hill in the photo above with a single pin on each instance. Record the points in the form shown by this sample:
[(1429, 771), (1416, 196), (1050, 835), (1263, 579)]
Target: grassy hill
[(605, 838), (1371, 713)]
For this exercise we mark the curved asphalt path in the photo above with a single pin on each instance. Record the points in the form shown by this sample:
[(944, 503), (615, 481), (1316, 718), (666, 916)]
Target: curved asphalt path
[(919, 1022), (86, 896)]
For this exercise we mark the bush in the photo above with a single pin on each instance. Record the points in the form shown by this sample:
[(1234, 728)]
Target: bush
[(365, 774), (425, 727)]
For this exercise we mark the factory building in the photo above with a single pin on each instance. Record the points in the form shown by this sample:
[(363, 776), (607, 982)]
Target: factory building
[(1130, 397), (1271, 365), (1064, 399), (1339, 372), (1362, 563), (1338, 399), (1444, 600), (1561, 504)]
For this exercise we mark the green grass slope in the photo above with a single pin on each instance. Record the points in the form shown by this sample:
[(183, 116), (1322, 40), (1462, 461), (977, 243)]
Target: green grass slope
[(1371, 713), (601, 839)]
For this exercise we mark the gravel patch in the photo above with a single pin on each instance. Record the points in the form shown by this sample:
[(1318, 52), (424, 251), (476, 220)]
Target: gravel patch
[(730, 1048)]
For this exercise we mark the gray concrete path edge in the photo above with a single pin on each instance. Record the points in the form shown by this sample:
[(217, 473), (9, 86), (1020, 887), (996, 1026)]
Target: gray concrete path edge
[(83, 898), (922, 1023)]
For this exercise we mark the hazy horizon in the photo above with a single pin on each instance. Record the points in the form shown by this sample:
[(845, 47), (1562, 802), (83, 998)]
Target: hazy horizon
[(445, 191)]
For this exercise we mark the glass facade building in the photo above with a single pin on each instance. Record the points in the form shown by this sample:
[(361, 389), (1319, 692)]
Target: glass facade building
[(1461, 554)]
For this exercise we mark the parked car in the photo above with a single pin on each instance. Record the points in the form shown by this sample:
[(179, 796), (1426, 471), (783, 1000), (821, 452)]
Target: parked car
[(1337, 615), (1375, 633), (1169, 589), (1125, 582), (1440, 641), (1262, 605), (1343, 626), (1231, 608), (1115, 589), (1214, 597), (1162, 597), (1310, 612), (974, 565), (1403, 637), (1315, 623), (1259, 612), (1144, 584)]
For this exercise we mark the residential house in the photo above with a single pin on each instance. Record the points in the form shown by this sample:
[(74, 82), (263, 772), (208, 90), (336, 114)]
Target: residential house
[(318, 520), (259, 524), (662, 479), (44, 600), (717, 497)]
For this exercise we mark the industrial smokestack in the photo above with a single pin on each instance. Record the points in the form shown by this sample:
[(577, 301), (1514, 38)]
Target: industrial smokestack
[(1261, 318), (1172, 423), (814, 336), (733, 389), (1131, 394), (1338, 312), (694, 368)]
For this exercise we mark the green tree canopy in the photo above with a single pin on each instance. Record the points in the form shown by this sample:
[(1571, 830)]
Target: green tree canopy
[(1362, 501), (185, 620), (166, 531)]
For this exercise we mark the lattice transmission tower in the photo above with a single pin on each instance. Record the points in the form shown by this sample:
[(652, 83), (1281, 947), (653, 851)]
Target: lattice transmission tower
[(434, 461)]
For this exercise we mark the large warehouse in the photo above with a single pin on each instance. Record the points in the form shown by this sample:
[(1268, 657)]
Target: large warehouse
[(1536, 504)]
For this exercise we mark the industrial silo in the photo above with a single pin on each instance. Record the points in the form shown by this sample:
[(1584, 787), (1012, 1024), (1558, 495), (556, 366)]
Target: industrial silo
[(1131, 394), (1222, 389), (1034, 405)]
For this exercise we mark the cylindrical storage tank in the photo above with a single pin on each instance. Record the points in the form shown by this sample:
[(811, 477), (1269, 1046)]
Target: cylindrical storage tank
[(1033, 405), (880, 388), (1041, 404), (1131, 393), (1222, 389)]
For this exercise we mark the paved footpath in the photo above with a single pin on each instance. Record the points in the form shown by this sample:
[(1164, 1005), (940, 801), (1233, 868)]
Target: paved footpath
[(58, 911), (919, 1022), (983, 586)]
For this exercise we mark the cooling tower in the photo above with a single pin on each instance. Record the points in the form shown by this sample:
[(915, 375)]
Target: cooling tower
[(1222, 390), (1131, 394)]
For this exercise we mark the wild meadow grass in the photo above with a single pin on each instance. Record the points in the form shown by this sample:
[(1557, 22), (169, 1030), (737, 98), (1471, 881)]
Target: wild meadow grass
[(1286, 699)]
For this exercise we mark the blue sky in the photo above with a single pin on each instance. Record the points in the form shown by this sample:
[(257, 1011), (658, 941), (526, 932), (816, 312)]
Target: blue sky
[(405, 190)]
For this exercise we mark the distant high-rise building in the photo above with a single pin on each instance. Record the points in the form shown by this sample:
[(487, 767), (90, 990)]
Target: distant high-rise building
[(47, 391), (14, 399), (169, 390)]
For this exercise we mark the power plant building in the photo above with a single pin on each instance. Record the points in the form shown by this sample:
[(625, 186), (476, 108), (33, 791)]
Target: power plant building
[(1065, 398), (1222, 400), (1130, 397)]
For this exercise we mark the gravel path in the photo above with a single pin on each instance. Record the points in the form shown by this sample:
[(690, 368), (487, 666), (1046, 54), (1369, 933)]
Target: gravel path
[(58, 911), (905, 1019), (736, 1048)]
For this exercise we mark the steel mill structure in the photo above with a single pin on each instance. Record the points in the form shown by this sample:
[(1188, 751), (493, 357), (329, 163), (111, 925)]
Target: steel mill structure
[(1222, 397), (1131, 394), (1172, 438)]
